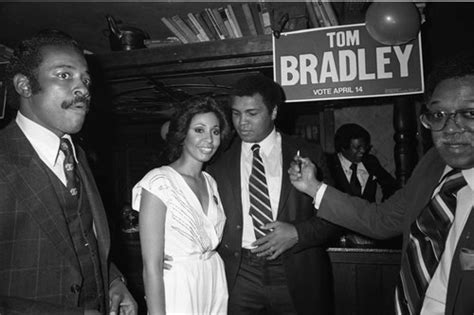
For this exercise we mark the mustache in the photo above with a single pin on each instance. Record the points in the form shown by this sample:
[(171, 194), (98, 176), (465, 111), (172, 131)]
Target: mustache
[(85, 99)]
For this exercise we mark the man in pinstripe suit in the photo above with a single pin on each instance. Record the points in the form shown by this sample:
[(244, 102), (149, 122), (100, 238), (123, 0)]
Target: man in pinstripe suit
[(54, 237)]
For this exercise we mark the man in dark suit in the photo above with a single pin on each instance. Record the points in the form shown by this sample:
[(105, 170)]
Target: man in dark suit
[(355, 171), (276, 265), (54, 239), (434, 209), (358, 173)]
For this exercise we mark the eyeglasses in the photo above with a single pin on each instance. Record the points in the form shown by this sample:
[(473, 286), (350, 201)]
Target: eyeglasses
[(436, 121), (361, 147)]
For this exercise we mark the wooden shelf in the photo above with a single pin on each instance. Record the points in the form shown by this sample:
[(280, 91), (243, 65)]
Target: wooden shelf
[(181, 60)]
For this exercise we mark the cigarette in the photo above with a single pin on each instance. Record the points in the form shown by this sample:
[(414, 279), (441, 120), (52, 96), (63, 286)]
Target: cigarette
[(298, 159)]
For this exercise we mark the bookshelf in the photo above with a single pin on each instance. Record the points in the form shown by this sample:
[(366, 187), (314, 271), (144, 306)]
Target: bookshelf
[(239, 54)]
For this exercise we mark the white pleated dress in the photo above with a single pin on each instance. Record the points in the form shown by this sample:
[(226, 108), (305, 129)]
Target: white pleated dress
[(196, 283)]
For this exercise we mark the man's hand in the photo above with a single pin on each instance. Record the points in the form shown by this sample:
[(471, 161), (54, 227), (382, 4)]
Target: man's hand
[(304, 178), (281, 237), (121, 300)]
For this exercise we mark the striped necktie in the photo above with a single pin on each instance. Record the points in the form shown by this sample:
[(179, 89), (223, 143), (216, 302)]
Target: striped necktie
[(72, 178), (426, 245), (260, 207)]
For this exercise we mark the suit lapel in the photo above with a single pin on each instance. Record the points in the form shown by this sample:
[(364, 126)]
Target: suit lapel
[(97, 209), (424, 192), (234, 175), (37, 195), (287, 156)]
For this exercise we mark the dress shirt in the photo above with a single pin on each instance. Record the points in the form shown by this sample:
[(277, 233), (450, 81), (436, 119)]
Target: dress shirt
[(270, 152), (435, 298), (46, 145), (362, 173)]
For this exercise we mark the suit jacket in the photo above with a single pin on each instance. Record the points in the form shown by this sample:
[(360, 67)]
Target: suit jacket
[(307, 264), (396, 215), (377, 175), (39, 270)]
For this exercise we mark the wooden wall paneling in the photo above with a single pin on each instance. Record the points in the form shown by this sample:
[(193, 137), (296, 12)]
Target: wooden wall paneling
[(364, 280), (405, 125), (327, 124)]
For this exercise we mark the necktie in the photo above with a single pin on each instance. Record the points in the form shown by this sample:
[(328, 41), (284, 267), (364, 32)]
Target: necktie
[(426, 245), (260, 207), (354, 182), (72, 179)]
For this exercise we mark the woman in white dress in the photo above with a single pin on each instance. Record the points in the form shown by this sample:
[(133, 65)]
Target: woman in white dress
[(181, 216)]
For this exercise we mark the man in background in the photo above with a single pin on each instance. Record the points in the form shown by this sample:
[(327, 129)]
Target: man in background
[(434, 209), (54, 237), (273, 244), (355, 171)]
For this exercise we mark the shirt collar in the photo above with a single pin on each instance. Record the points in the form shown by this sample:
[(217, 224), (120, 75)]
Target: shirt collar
[(266, 145), (44, 141), (346, 164), (469, 176)]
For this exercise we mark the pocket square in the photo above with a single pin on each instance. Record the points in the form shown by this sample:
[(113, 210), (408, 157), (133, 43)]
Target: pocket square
[(466, 258)]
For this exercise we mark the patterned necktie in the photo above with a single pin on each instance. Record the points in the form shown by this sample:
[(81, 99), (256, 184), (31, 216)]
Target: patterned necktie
[(72, 179), (260, 207), (426, 245), (354, 182)]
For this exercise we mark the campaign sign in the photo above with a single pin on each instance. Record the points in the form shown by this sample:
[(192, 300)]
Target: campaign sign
[(344, 62)]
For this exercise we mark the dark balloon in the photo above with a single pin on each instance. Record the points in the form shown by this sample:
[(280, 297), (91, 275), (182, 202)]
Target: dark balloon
[(392, 23)]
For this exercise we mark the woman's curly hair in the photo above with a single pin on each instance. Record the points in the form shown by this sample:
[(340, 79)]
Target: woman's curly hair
[(179, 124)]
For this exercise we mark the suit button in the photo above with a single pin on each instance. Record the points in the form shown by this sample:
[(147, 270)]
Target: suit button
[(238, 227), (75, 288), (226, 245), (236, 254)]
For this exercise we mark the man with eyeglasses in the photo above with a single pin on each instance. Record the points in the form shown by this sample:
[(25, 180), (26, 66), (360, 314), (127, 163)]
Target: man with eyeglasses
[(434, 209)]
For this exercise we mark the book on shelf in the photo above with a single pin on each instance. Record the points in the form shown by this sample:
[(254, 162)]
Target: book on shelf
[(226, 21), (207, 24), (321, 13), (216, 26), (174, 29), (229, 11), (249, 18), (190, 35), (256, 17), (265, 17), (330, 12), (220, 22), (311, 14), (201, 34), (241, 20), (195, 30)]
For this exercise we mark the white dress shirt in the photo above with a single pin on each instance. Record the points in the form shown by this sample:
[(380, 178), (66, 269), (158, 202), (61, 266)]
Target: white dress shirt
[(270, 152), (46, 145), (362, 173)]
